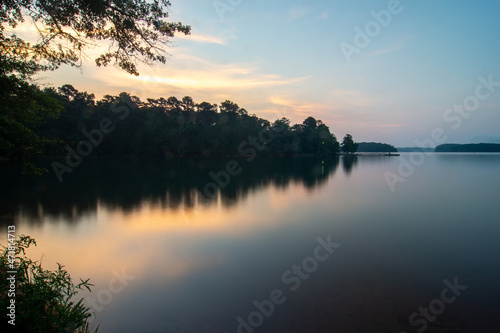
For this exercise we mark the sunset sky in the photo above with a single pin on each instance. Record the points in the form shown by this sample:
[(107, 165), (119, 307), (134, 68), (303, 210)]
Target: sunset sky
[(284, 58)]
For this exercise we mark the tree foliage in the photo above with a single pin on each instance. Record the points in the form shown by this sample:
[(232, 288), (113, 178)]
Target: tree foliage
[(175, 127), (376, 147), (468, 148), (135, 30), (348, 145), (24, 108), (45, 299)]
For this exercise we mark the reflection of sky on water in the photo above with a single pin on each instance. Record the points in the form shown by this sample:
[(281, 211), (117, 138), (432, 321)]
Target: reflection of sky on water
[(198, 265)]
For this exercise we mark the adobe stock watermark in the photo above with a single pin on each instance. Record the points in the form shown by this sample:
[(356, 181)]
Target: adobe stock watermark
[(371, 30), (292, 279), (454, 117), (222, 6), (11, 274), (437, 306), (105, 296)]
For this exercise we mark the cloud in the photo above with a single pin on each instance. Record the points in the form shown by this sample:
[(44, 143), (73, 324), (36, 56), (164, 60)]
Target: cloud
[(207, 80), (203, 39), (297, 12), (188, 74), (323, 16), (297, 109), (339, 116), (193, 72), (338, 106), (399, 45)]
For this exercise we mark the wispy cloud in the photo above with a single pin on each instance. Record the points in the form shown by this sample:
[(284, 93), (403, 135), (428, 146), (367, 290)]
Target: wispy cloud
[(399, 45), (385, 51), (190, 74), (203, 39), (323, 16), (206, 80), (298, 109), (297, 12)]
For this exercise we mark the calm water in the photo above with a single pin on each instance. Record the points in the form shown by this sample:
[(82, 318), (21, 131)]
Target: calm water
[(187, 262)]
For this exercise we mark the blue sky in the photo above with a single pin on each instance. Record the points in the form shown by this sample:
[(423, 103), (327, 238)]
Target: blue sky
[(283, 58)]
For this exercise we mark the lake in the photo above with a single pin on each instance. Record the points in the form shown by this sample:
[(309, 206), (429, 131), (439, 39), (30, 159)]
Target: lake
[(273, 245)]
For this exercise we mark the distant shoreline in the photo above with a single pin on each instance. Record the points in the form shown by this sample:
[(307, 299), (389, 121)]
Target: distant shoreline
[(455, 148), (469, 148)]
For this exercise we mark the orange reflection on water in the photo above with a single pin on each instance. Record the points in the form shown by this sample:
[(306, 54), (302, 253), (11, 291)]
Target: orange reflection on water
[(153, 239), (257, 211)]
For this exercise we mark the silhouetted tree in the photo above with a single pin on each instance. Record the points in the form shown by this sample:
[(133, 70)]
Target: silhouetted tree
[(310, 123), (376, 147), (348, 145), (24, 107)]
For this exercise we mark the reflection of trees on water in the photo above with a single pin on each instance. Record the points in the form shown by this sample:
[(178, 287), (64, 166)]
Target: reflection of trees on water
[(126, 184), (348, 163)]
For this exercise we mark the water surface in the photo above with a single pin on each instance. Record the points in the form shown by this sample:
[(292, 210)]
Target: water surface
[(191, 262)]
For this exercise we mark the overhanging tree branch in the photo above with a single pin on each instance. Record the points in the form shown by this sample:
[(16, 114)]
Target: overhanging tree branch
[(69, 27)]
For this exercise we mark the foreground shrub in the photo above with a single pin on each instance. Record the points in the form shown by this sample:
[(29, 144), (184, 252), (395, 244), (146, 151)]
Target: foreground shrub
[(44, 299)]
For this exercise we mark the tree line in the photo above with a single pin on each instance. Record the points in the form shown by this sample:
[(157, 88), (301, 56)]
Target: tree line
[(168, 127), (468, 148), (376, 147)]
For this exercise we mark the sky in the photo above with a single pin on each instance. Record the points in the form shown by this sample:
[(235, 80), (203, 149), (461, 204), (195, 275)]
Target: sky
[(386, 71)]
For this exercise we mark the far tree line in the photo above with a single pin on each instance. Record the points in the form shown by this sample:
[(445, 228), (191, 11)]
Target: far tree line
[(468, 148), (376, 147)]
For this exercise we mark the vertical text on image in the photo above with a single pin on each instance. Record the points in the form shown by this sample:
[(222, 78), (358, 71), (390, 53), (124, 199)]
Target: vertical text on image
[(11, 274)]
